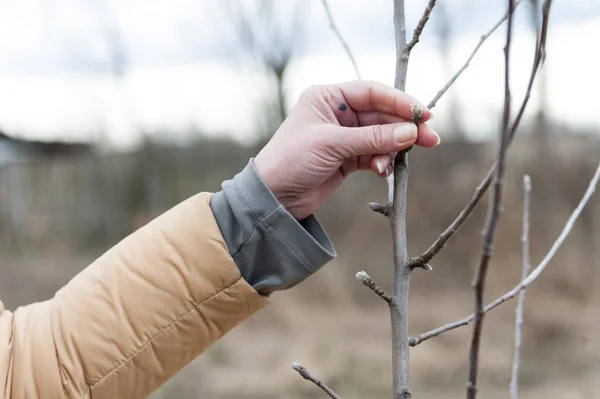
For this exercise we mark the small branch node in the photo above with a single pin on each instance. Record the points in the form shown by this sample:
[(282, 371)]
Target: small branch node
[(527, 183), (417, 113), (377, 207), (417, 262), (364, 278)]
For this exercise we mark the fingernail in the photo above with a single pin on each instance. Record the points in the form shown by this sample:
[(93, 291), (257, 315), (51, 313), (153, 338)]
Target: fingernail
[(432, 115), (380, 166), (438, 139), (405, 132)]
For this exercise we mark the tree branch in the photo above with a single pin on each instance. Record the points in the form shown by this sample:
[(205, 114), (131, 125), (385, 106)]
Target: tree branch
[(397, 218), (308, 376), (421, 25), (364, 278), (453, 228), (340, 37), (514, 382), (530, 279), (540, 51), (399, 308), (400, 38), (483, 38), (492, 222)]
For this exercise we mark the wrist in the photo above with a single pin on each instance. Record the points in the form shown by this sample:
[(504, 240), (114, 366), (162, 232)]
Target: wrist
[(268, 173)]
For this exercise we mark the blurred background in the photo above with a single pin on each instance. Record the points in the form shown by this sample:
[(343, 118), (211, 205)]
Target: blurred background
[(112, 112)]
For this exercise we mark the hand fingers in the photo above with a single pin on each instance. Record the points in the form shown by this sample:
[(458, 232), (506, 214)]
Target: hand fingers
[(373, 139), (373, 96), (427, 137), (381, 163)]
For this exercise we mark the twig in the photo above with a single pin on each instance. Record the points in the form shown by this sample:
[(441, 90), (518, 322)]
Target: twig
[(492, 222), (308, 376), (485, 184), (514, 382), (483, 38), (453, 228), (540, 55), (364, 278), (421, 25), (377, 207), (530, 279), (340, 37)]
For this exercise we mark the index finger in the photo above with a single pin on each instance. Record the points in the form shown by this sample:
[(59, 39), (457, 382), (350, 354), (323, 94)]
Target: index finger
[(374, 96)]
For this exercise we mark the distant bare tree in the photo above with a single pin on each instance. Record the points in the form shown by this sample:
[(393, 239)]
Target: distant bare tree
[(269, 34), (443, 30), (117, 54), (541, 122)]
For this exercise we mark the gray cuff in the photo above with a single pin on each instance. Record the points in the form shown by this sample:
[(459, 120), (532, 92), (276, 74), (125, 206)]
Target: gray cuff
[(272, 249)]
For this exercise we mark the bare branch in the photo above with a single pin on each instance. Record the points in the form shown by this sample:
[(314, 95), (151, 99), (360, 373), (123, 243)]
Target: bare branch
[(540, 55), (340, 37), (483, 38), (397, 218), (400, 38), (308, 376), (494, 211), (514, 382), (453, 228), (531, 278), (421, 25), (484, 185), (364, 278), (399, 308)]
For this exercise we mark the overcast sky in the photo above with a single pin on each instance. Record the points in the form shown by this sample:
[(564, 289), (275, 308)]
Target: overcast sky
[(181, 69)]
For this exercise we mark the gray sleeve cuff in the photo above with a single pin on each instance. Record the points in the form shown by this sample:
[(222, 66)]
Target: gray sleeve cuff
[(270, 247)]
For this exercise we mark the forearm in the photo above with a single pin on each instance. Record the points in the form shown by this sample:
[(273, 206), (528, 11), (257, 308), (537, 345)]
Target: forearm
[(139, 314), (155, 301)]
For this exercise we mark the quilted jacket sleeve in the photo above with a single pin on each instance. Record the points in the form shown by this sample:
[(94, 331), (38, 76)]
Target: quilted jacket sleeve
[(133, 318)]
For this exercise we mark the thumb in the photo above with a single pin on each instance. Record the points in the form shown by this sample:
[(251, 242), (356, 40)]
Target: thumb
[(376, 139)]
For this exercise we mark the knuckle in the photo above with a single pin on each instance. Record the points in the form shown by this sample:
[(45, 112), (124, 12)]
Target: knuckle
[(312, 91), (376, 136)]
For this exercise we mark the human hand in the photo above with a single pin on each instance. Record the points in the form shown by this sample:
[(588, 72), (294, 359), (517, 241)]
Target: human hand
[(333, 131)]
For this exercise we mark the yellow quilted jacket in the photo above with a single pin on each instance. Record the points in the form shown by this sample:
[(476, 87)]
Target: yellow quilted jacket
[(133, 318)]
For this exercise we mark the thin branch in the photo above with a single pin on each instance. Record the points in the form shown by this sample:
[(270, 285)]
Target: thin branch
[(514, 382), (340, 37), (399, 308), (494, 211), (397, 218), (421, 25), (308, 376), (530, 279), (540, 55), (400, 39), (364, 278), (453, 228), (433, 250), (483, 38)]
